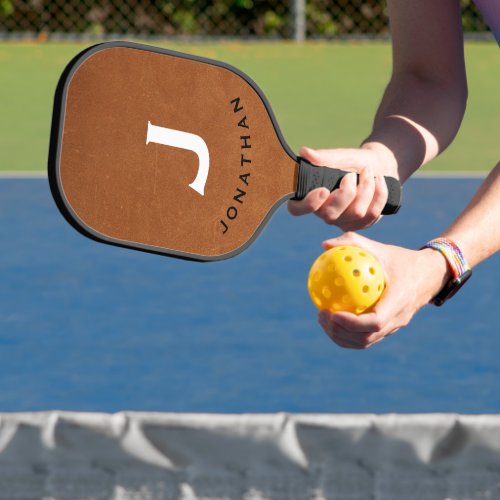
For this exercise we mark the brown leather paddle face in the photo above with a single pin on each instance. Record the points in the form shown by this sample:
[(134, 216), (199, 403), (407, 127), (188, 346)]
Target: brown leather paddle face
[(164, 152)]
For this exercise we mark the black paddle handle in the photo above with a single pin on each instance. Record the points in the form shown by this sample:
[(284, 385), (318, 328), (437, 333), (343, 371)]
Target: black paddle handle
[(311, 177)]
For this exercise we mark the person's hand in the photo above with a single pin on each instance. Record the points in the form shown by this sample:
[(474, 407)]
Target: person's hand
[(351, 206), (413, 278)]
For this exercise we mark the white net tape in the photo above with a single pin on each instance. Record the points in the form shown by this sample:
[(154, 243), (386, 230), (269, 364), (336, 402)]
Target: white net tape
[(160, 456)]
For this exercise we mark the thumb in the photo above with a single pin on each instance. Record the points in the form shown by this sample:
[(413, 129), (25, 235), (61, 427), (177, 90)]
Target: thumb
[(377, 249), (349, 238), (352, 159), (310, 155)]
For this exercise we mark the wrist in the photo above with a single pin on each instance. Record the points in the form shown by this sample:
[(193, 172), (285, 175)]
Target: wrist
[(437, 272), (386, 157)]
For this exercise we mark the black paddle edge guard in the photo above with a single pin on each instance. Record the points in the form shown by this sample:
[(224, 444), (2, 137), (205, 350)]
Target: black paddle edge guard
[(312, 177), (55, 144)]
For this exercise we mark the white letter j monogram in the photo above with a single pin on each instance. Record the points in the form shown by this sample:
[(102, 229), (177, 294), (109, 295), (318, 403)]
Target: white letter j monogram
[(184, 140)]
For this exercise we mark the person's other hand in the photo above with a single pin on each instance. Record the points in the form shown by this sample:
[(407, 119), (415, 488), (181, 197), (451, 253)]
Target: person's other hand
[(413, 278), (351, 206)]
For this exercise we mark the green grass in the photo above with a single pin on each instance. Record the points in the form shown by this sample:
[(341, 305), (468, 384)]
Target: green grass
[(323, 94)]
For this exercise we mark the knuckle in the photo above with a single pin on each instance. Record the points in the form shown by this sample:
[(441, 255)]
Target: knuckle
[(369, 222), (373, 213), (367, 178), (373, 339), (348, 186), (329, 215), (358, 211), (330, 219), (365, 344), (349, 190), (378, 325)]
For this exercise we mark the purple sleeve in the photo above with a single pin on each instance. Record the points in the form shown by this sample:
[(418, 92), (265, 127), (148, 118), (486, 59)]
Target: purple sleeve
[(490, 9)]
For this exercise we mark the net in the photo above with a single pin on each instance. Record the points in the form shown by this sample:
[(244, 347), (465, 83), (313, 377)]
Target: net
[(159, 456)]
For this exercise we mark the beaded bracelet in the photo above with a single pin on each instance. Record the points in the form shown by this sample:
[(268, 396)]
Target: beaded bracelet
[(452, 254), (459, 267)]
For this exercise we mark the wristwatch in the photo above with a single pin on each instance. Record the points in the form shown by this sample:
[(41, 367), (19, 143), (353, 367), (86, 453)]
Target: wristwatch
[(460, 270)]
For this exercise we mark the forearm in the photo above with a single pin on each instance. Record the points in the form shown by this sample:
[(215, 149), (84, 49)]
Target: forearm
[(424, 103), (416, 120), (477, 230)]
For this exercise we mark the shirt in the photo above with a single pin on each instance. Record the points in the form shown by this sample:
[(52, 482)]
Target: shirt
[(490, 9)]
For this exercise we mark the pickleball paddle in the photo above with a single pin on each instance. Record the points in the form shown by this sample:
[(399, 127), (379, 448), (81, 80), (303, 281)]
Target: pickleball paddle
[(171, 153)]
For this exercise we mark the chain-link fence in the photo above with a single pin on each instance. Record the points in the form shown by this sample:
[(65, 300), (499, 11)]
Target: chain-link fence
[(207, 18)]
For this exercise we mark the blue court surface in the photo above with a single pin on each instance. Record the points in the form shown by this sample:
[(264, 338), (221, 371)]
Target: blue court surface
[(90, 327)]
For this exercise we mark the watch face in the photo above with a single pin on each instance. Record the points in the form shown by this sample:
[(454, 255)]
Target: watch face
[(451, 288)]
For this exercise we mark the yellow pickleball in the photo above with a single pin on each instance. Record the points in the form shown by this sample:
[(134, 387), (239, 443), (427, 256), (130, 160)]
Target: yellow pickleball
[(346, 278)]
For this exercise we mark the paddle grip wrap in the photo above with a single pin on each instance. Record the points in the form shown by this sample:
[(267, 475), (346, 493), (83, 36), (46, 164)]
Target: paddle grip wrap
[(311, 177)]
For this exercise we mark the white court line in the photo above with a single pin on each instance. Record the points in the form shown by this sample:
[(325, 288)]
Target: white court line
[(453, 174), (23, 174)]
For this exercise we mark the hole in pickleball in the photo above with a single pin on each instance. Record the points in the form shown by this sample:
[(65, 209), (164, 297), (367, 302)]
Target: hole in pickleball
[(327, 293), (346, 299), (317, 301), (317, 276), (362, 254), (336, 306), (356, 273), (379, 287), (360, 309), (330, 268), (339, 281), (372, 270), (348, 258), (366, 289)]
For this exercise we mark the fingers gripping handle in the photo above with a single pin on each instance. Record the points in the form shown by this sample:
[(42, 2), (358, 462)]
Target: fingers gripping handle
[(311, 177)]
